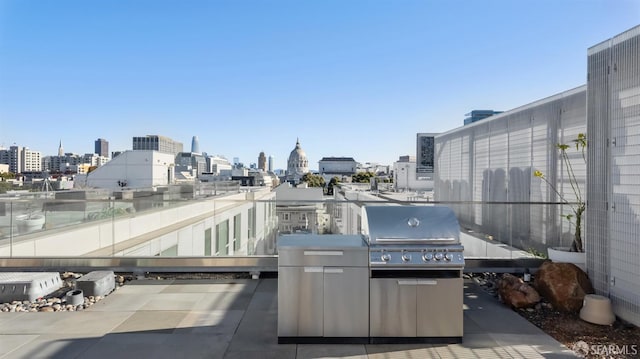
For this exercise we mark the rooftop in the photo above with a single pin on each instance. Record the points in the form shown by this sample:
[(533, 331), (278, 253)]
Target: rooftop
[(237, 318)]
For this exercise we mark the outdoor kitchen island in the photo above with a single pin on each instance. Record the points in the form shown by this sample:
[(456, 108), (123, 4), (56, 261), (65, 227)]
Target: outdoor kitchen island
[(323, 289), (401, 282)]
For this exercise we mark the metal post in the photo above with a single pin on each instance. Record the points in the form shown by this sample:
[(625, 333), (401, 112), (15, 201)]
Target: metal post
[(405, 169), (113, 225), (11, 229)]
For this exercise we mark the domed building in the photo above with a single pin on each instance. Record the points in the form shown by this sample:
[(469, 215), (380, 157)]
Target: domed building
[(297, 165)]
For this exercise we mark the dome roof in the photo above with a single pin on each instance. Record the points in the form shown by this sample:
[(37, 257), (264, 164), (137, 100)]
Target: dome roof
[(298, 153), (297, 165)]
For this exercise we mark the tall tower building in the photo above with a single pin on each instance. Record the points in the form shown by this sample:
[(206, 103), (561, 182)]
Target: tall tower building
[(195, 145), (101, 147), (60, 149), (262, 161), (271, 163), (13, 159)]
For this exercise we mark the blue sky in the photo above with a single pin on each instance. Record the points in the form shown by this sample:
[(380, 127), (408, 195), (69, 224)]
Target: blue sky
[(347, 77)]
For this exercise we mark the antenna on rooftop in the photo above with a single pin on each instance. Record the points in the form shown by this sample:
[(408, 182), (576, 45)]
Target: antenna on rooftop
[(46, 184)]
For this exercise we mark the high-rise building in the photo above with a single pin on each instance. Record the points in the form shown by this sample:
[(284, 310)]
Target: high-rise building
[(157, 143), (477, 115), (101, 147), (31, 160), (270, 164), (262, 161), (425, 153), (12, 158), (60, 149), (21, 159), (195, 145)]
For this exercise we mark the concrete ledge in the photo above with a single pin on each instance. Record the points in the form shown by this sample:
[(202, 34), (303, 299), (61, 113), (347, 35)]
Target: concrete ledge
[(97, 283)]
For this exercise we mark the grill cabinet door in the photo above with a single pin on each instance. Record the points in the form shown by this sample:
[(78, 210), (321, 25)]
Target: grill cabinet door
[(300, 301), (346, 301), (393, 307), (439, 307)]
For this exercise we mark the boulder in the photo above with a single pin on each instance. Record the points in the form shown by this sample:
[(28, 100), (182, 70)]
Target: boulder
[(564, 285), (516, 293)]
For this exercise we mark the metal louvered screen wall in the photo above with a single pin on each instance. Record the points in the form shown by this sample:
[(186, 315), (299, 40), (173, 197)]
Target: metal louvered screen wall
[(613, 215), (493, 160)]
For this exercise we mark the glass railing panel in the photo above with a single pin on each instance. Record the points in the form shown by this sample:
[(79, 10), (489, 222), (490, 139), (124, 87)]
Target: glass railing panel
[(230, 221)]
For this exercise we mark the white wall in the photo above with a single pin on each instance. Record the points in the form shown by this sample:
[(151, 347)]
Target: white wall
[(337, 167), (165, 227), (139, 169), (404, 178)]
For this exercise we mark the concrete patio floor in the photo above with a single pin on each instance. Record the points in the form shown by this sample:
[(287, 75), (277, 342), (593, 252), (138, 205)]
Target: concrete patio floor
[(238, 319)]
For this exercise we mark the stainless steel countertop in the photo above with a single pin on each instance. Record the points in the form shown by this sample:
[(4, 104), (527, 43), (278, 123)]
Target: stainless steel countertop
[(328, 241)]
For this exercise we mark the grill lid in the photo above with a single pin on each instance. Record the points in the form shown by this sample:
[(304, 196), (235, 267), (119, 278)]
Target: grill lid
[(410, 224)]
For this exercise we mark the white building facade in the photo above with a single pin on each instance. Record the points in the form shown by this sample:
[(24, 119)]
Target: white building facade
[(405, 179), (340, 166), (134, 169), (301, 210)]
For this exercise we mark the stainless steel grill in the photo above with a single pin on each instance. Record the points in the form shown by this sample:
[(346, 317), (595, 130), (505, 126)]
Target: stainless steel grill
[(405, 237), (415, 265)]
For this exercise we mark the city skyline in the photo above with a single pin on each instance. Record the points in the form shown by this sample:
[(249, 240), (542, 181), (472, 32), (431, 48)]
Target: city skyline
[(356, 79)]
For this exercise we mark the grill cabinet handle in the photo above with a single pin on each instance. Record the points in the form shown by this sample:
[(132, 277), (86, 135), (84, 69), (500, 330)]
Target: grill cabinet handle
[(427, 282), (323, 253), (333, 270), (407, 282)]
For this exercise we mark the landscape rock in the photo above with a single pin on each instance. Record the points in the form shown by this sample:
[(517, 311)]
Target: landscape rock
[(516, 293), (564, 285)]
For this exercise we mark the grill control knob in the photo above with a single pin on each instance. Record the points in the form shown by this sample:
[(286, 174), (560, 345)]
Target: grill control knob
[(439, 256), (406, 257), (448, 256), (385, 257), (427, 257)]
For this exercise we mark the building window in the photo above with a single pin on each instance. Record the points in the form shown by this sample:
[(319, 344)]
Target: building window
[(207, 242), (251, 225), (169, 252), (222, 238), (285, 216), (237, 236)]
